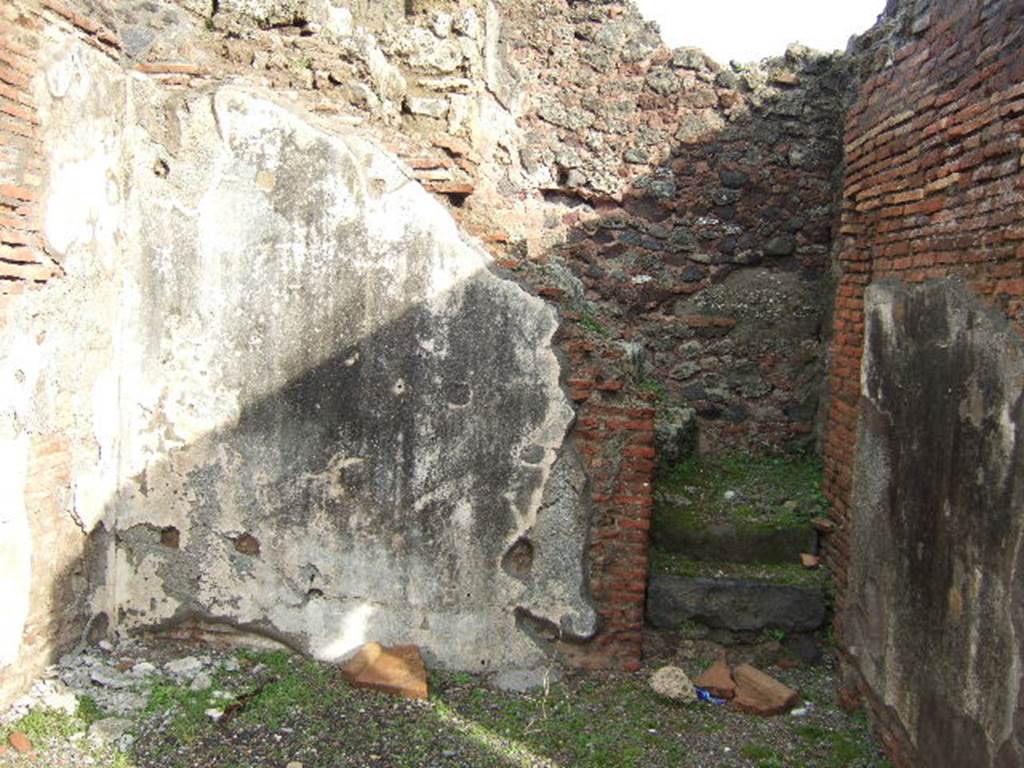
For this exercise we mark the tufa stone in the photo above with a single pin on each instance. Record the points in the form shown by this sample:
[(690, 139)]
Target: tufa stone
[(397, 669), (783, 245), (672, 683), (761, 694)]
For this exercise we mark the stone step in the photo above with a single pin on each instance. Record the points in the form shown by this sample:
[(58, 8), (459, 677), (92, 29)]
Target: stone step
[(735, 543), (734, 604)]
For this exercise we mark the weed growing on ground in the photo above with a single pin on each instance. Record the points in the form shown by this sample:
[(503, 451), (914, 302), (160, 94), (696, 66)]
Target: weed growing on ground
[(777, 491), (285, 708)]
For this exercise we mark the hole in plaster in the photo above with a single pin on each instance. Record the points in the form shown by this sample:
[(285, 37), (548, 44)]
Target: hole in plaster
[(247, 544), (160, 168), (97, 627), (19, 376), (314, 592), (170, 537), (457, 199), (457, 393), (399, 387), (532, 454), (518, 560), (560, 197)]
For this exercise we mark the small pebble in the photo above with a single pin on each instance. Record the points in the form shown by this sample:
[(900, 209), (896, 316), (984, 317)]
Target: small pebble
[(201, 682), (20, 742)]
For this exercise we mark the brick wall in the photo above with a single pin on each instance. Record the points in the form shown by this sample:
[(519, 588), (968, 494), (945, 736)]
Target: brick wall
[(614, 435), (934, 183)]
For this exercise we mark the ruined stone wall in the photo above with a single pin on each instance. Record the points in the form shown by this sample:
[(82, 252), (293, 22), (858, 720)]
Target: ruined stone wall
[(924, 455), (689, 212), (180, 388)]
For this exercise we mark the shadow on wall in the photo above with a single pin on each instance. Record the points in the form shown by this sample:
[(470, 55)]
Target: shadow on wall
[(392, 492), (713, 272), (335, 423)]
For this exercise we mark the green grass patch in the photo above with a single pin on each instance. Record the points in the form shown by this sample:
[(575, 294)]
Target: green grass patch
[(43, 725), (300, 684), (762, 756), (615, 723), (593, 325), (88, 710), (774, 491), (774, 573), (185, 708), (291, 708), (847, 745)]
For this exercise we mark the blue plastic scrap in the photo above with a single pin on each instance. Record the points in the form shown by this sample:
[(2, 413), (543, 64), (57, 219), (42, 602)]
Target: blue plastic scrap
[(704, 695)]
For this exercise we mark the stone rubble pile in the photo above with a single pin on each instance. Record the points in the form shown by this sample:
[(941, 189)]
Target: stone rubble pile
[(117, 679), (743, 687)]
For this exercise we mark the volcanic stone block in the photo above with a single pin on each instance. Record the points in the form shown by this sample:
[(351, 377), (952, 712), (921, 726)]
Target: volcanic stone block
[(733, 604)]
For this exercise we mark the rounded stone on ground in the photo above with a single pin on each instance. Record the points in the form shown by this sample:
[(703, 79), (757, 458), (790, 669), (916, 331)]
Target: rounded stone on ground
[(201, 682), (109, 729), (186, 667), (673, 684)]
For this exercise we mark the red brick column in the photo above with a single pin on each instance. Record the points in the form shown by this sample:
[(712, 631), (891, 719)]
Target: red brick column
[(614, 435), (617, 446)]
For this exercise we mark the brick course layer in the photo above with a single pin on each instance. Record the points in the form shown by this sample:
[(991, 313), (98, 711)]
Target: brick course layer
[(934, 187)]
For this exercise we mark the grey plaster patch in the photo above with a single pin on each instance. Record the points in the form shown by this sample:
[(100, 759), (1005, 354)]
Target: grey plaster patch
[(934, 615), (316, 360)]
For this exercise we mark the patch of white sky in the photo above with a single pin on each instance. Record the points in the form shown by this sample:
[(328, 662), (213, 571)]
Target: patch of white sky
[(750, 30)]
